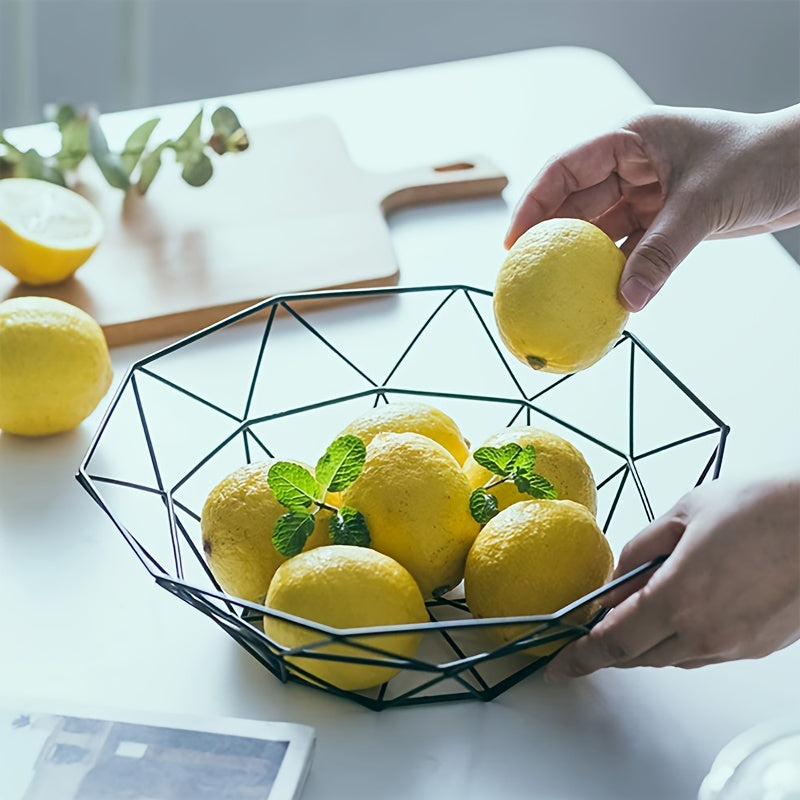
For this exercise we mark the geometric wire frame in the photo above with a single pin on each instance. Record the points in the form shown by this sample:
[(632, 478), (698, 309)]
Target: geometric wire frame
[(245, 410)]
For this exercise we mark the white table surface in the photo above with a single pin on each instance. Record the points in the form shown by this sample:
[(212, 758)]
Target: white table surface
[(81, 620)]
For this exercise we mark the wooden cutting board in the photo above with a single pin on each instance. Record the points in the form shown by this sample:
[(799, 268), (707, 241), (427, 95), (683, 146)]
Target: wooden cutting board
[(292, 213)]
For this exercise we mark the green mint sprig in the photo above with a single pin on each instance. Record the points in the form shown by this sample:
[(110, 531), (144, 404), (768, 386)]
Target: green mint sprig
[(304, 493), (510, 463), (82, 136)]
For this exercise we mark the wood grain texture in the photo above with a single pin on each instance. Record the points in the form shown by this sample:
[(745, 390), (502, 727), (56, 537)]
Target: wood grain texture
[(292, 213)]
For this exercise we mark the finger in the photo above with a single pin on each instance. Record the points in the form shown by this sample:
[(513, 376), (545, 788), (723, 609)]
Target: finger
[(676, 230), (635, 210), (668, 653), (592, 202), (582, 167), (696, 663), (632, 628), (659, 538)]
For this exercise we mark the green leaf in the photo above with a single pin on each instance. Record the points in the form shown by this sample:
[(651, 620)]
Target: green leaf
[(60, 113), (14, 153), (482, 505), (197, 169), (225, 121), (535, 485), (498, 460), (136, 143), (292, 531), (74, 143), (228, 136), (341, 463), (148, 169), (31, 165), (293, 485), (525, 460), (109, 163), (190, 138), (349, 527)]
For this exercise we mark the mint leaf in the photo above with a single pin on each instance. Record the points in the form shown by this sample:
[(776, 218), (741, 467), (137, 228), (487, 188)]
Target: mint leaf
[(341, 463), (525, 460), (498, 460), (293, 486), (535, 485), (291, 532), (482, 505), (349, 527)]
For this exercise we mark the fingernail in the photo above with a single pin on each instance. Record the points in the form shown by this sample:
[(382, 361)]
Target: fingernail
[(635, 294)]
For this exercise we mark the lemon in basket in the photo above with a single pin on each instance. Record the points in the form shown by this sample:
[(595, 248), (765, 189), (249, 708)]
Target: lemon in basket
[(557, 459), (344, 586), (54, 366), (236, 524), (555, 297), (414, 497), (411, 417), (536, 557), (46, 231)]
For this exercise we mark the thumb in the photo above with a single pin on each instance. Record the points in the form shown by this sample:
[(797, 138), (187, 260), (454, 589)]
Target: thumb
[(654, 254), (659, 538)]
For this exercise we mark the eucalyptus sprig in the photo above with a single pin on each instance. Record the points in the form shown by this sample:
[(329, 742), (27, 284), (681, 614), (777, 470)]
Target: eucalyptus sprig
[(304, 494), (511, 463), (82, 136)]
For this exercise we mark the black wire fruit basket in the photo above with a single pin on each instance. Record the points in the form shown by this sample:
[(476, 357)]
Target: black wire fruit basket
[(281, 378)]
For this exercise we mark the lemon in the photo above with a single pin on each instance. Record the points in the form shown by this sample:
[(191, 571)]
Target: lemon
[(345, 587), (415, 500), (556, 459), (54, 366), (46, 231), (555, 297), (411, 417), (536, 557), (236, 525)]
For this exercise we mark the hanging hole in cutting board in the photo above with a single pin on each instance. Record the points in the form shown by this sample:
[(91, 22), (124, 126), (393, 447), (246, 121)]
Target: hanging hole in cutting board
[(460, 165)]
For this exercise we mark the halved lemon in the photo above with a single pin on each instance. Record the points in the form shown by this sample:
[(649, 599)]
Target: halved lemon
[(46, 231)]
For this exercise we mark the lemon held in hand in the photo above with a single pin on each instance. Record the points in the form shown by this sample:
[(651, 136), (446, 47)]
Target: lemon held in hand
[(54, 366), (46, 231), (536, 557), (415, 500), (411, 417), (343, 586), (236, 524), (555, 298), (556, 459)]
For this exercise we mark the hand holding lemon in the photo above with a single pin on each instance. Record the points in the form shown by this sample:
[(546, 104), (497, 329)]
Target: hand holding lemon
[(555, 297)]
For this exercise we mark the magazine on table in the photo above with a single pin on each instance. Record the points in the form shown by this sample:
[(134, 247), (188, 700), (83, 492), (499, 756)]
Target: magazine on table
[(62, 752)]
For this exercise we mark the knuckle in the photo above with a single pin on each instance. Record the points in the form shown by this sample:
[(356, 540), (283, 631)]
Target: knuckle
[(657, 259), (612, 650)]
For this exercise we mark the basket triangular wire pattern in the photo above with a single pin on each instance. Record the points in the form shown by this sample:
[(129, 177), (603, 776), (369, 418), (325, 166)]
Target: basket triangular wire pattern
[(167, 438)]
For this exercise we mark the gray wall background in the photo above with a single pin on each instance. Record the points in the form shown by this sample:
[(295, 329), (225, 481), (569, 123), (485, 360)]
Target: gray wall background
[(737, 54)]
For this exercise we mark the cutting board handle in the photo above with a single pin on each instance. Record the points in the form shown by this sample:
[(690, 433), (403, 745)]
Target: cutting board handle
[(469, 177)]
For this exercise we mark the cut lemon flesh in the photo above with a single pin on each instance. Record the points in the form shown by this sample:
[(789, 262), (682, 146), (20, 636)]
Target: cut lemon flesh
[(46, 231)]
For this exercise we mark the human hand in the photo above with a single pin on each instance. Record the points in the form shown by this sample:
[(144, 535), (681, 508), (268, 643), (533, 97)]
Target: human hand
[(730, 588), (667, 180)]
